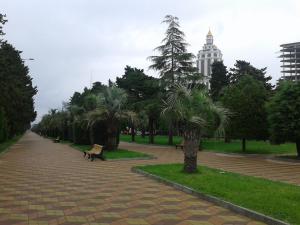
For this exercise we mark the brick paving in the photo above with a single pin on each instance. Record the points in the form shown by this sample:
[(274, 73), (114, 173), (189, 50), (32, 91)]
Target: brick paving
[(46, 183), (258, 166)]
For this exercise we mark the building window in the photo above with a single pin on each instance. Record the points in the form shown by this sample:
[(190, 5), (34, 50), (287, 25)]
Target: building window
[(215, 54), (203, 56), (208, 55), (208, 67)]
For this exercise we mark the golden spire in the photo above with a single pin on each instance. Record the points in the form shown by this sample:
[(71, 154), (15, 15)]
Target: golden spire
[(209, 33)]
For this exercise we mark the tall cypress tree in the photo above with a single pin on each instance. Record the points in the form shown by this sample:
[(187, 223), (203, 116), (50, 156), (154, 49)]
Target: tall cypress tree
[(219, 79), (2, 22), (174, 63), (17, 91)]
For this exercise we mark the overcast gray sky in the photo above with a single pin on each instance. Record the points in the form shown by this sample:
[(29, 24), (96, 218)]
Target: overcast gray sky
[(74, 40)]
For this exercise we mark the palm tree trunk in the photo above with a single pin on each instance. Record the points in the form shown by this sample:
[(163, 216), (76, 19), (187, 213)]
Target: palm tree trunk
[(244, 144), (151, 130), (91, 135), (111, 144), (298, 148), (190, 148), (143, 133), (227, 138), (170, 142), (112, 132), (132, 133)]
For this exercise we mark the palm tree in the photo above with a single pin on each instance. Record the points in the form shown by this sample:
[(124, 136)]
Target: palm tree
[(196, 114), (110, 108)]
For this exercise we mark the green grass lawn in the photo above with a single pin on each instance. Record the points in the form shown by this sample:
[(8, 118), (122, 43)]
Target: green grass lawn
[(158, 139), (252, 147), (235, 146), (278, 200), (8, 143), (118, 154)]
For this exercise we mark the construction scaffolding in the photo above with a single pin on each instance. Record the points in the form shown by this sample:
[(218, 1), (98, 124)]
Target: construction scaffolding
[(290, 58)]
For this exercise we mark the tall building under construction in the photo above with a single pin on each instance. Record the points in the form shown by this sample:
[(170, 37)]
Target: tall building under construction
[(290, 58)]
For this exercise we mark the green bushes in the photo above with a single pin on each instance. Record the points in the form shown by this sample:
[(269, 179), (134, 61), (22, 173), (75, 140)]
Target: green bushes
[(3, 126)]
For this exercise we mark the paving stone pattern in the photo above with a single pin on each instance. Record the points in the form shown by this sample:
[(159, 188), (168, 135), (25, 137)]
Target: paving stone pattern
[(255, 165), (48, 183)]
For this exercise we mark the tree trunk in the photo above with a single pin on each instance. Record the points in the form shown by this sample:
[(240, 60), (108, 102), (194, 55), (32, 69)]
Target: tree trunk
[(111, 144), (298, 148), (190, 148), (132, 134), (112, 132), (244, 144), (227, 139), (143, 133), (170, 142), (200, 146), (91, 135), (172, 65), (151, 131)]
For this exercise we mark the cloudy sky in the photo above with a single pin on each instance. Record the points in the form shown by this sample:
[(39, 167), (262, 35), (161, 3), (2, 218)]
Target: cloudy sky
[(73, 41)]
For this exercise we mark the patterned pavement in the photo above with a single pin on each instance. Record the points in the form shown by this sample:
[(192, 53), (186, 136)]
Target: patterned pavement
[(46, 183), (255, 165)]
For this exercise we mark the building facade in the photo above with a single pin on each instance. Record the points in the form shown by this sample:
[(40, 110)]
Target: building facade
[(290, 58), (209, 54)]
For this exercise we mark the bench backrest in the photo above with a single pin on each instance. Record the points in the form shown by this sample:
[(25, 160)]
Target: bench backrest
[(97, 148)]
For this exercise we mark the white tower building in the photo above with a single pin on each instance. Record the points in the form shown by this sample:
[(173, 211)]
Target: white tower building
[(207, 56)]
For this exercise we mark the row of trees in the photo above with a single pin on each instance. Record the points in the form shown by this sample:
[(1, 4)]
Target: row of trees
[(17, 91), (259, 111), (177, 102), (143, 102)]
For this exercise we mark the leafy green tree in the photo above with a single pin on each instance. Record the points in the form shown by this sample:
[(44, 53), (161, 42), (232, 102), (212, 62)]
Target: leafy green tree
[(111, 109), (98, 87), (17, 90), (76, 99), (3, 126), (144, 97), (246, 101), (196, 113), (243, 68), (138, 85), (219, 79), (284, 114)]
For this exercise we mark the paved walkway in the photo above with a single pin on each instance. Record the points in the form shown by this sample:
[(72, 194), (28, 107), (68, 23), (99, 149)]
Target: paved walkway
[(46, 183), (258, 166)]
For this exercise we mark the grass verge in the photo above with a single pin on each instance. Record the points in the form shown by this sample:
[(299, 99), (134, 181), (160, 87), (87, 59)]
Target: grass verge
[(5, 145), (158, 139), (275, 199), (235, 146), (252, 147)]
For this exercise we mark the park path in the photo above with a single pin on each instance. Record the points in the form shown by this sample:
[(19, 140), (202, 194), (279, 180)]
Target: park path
[(46, 183), (255, 165)]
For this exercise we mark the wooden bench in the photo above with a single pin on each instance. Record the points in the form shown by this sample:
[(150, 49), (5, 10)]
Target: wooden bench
[(57, 140), (95, 152), (180, 145)]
